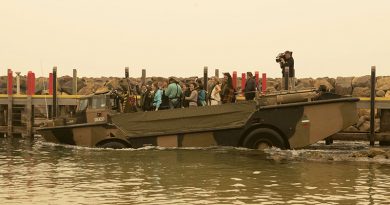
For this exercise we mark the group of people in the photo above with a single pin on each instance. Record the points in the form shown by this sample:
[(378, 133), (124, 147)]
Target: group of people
[(170, 95)]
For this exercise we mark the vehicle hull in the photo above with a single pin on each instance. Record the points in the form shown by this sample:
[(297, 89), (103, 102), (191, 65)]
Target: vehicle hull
[(296, 124)]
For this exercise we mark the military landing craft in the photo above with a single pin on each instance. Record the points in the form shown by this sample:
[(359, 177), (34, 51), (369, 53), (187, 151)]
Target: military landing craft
[(287, 120)]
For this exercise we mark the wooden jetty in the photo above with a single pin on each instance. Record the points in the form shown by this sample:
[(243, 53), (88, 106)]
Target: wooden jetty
[(17, 111)]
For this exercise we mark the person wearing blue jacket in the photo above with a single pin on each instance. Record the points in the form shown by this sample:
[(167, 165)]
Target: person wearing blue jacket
[(157, 96), (174, 93)]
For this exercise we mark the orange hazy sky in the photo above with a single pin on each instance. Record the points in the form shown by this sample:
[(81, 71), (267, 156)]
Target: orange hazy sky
[(178, 37)]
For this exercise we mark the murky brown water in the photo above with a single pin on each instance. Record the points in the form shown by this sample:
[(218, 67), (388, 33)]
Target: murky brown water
[(41, 173)]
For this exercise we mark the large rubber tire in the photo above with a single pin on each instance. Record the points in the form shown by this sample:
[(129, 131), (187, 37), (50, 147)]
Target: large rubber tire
[(113, 145), (263, 138)]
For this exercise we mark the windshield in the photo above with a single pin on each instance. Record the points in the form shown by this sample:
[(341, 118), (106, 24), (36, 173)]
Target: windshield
[(99, 101), (83, 104)]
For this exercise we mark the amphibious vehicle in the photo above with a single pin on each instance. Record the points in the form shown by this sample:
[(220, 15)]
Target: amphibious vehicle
[(287, 120)]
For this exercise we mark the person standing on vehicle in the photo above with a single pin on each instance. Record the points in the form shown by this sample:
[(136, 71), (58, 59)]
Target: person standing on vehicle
[(147, 99), (250, 87), (287, 61), (215, 97), (186, 93), (201, 96), (227, 93), (174, 94), (210, 87), (157, 95), (193, 98)]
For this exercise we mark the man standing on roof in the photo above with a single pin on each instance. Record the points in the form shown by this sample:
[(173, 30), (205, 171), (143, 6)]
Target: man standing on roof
[(174, 93), (287, 61)]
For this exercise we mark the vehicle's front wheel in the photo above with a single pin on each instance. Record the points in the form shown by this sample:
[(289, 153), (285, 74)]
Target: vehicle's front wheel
[(113, 145), (263, 138)]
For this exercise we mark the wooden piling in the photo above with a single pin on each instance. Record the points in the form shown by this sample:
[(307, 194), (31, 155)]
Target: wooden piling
[(372, 107), (243, 82), (17, 83), (32, 83), (205, 77), (54, 113), (217, 73), (234, 78), (263, 83), (126, 72), (10, 103), (29, 116), (74, 82), (28, 82), (50, 84), (286, 74), (143, 77)]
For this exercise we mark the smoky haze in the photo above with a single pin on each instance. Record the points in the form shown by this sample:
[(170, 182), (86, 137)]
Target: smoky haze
[(175, 37)]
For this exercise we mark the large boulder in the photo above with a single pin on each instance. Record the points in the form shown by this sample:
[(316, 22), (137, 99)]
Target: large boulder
[(351, 129), (67, 87), (380, 93), (274, 84), (362, 120), (91, 85), (363, 81), (387, 93), (65, 84), (304, 83), (3, 81), (343, 85), (41, 85), (361, 92), (324, 82), (383, 83), (365, 127)]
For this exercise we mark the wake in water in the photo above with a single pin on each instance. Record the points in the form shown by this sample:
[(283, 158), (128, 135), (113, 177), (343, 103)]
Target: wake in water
[(339, 151)]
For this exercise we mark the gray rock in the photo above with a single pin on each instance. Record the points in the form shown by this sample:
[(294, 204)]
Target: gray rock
[(363, 81), (361, 92), (365, 127), (305, 83), (364, 112), (361, 120), (383, 83), (343, 85), (351, 129), (323, 81), (377, 124), (274, 83), (380, 93)]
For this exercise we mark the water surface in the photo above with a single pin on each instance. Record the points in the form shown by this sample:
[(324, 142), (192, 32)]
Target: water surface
[(33, 172)]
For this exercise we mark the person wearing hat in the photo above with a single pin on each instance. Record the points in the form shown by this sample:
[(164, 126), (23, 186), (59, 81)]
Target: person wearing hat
[(288, 62), (174, 93)]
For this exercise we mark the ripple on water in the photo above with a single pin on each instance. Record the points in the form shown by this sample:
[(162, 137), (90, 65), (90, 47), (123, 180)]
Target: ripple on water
[(49, 173)]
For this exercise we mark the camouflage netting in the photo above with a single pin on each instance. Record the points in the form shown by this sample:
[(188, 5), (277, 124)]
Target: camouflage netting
[(186, 120)]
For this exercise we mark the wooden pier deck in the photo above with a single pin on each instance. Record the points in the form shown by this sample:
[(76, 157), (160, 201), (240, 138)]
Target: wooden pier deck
[(17, 111)]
